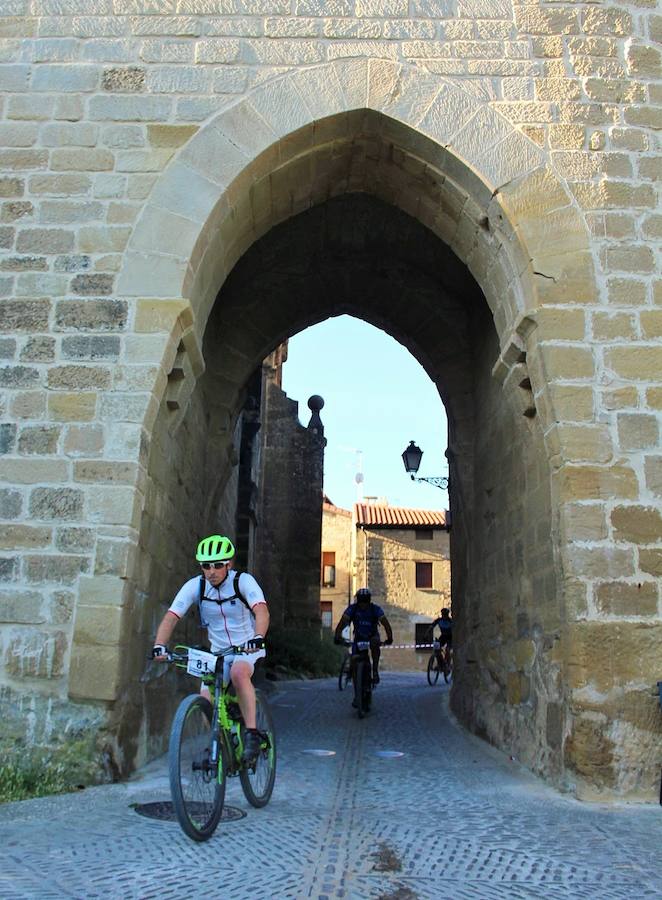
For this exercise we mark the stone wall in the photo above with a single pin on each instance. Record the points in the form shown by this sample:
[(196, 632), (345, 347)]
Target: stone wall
[(146, 146)]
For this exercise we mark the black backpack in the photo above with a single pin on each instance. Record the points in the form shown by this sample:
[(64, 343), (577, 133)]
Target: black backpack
[(238, 595)]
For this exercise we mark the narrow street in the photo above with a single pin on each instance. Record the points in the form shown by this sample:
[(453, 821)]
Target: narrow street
[(450, 817)]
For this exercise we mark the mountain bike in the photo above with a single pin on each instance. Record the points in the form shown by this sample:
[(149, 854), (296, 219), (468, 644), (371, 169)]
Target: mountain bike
[(435, 668), (206, 746), (361, 673)]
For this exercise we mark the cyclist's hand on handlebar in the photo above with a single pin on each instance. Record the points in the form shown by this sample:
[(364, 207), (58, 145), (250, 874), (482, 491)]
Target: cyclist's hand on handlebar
[(255, 643), (160, 652), (388, 642)]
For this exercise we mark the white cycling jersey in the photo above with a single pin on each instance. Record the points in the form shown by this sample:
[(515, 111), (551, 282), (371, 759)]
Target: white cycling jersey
[(229, 624)]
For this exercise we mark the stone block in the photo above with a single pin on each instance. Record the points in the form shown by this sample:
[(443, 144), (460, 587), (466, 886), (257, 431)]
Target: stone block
[(18, 376), (57, 569), (637, 431), (13, 210), (70, 134), (19, 537), (39, 349), (113, 557), (83, 440), (106, 239), (78, 407), (63, 185), (115, 506), (598, 562), (78, 378), (45, 240), (583, 522), (36, 654), (635, 362), (29, 405), (160, 315), (100, 315), (61, 607), (650, 561), (7, 437), (94, 673), (74, 540), (91, 347), (597, 483), (33, 471), (64, 212), (98, 625), (567, 362), (622, 598), (111, 472), (571, 403), (653, 472), (626, 292), (82, 159), (103, 591), (22, 607), (56, 503), (12, 187), (583, 442), (637, 524), (11, 503), (65, 78), (610, 326), (130, 79), (40, 440)]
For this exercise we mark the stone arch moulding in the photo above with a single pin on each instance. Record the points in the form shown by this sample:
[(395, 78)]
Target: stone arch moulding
[(518, 230)]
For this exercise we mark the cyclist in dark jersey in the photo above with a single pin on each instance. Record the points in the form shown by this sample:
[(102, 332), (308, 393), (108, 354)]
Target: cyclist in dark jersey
[(366, 617), (445, 625)]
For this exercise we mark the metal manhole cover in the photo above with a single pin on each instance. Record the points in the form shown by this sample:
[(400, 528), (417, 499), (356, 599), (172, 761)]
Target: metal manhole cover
[(163, 811)]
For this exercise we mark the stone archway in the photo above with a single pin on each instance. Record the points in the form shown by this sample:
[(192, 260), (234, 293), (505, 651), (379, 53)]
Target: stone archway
[(441, 155)]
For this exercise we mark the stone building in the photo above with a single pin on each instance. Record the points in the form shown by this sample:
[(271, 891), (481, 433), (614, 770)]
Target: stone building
[(403, 556), (186, 184)]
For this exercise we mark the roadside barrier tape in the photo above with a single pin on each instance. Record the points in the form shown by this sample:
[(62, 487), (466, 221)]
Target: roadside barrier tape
[(407, 646)]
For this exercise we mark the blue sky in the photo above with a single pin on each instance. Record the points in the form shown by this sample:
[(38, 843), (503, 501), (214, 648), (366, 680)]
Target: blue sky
[(377, 398)]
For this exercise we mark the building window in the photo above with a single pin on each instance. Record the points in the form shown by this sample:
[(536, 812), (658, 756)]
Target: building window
[(423, 574), (328, 569), (327, 614), (424, 534)]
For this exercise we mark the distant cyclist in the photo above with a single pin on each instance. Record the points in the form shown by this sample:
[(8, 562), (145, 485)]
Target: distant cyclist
[(445, 625), (365, 617)]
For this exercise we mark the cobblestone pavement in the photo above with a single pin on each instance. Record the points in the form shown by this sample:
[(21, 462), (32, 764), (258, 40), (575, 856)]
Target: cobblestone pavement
[(350, 825)]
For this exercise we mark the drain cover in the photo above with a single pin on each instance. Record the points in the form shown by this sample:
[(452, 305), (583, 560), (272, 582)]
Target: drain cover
[(389, 754), (320, 752), (164, 811)]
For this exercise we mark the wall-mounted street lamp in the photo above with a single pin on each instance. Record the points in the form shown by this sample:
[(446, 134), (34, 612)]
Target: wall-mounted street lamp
[(412, 459)]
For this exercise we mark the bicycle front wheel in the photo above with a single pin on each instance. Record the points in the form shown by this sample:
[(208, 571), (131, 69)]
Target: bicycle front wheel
[(257, 780), (360, 675), (345, 673), (433, 670), (197, 785)]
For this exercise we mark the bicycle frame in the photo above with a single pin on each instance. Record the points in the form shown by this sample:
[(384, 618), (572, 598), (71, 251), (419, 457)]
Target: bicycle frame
[(225, 729)]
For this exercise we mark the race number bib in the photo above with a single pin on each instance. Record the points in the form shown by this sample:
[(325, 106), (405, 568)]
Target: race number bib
[(362, 645), (201, 663)]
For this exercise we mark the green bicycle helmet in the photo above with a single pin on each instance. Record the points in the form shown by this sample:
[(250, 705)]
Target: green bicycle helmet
[(215, 548)]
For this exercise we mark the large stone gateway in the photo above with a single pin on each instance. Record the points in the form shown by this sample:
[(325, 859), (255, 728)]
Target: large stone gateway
[(188, 184)]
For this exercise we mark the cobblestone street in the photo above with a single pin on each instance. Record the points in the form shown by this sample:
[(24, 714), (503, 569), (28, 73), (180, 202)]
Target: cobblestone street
[(355, 824)]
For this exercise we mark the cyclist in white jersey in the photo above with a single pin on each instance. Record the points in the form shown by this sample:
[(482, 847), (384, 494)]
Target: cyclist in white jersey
[(235, 615)]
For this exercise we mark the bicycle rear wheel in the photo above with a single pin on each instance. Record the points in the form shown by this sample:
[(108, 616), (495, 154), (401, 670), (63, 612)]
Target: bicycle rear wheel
[(257, 780), (197, 786), (345, 673), (433, 670), (362, 687)]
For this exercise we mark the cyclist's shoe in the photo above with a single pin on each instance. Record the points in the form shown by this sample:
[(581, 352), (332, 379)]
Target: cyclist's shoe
[(375, 678), (251, 747), (354, 703)]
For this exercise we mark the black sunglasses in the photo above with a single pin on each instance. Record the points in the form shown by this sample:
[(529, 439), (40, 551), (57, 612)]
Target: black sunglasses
[(215, 565)]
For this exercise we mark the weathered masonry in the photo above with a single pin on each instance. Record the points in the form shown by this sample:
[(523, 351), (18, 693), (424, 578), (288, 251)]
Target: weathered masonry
[(186, 184)]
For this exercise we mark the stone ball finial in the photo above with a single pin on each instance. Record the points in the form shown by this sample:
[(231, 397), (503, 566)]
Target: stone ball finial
[(315, 403)]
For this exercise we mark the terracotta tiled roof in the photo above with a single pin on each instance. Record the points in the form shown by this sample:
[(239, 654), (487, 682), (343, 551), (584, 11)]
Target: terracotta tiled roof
[(382, 516), (330, 507)]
